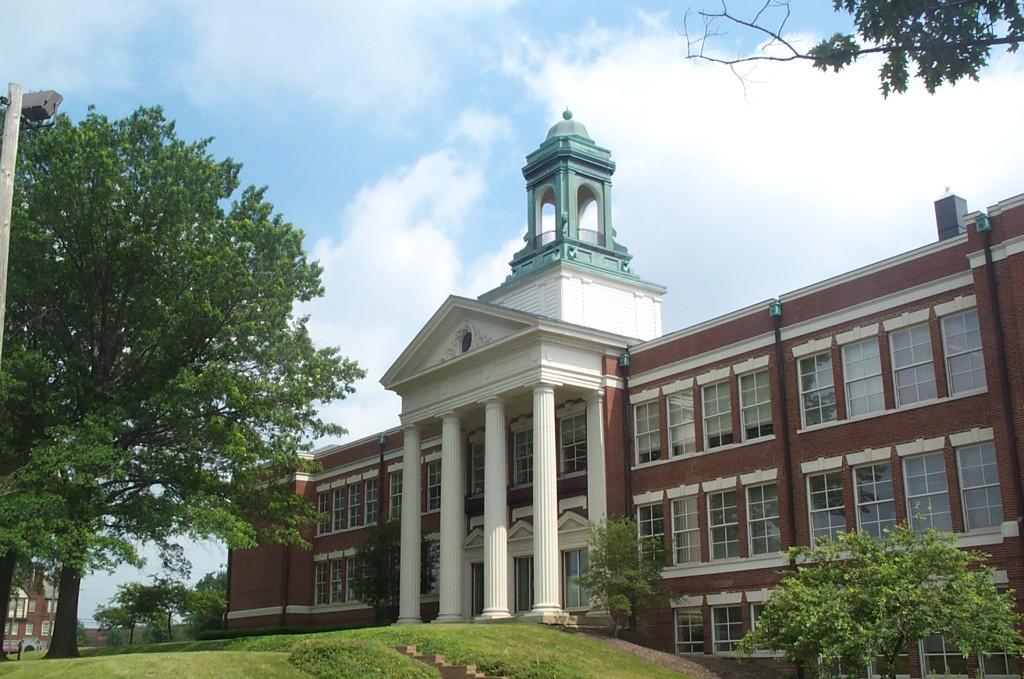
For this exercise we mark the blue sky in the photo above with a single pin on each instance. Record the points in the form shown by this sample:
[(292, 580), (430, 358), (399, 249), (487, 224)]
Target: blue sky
[(393, 134)]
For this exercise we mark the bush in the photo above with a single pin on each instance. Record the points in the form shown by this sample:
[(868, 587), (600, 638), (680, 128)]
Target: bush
[(212, 634), (355, 659)]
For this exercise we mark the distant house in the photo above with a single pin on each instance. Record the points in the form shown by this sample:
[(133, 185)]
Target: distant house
[(30, 615)]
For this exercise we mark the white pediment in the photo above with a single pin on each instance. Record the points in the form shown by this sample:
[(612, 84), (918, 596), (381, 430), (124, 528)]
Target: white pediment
[(474, 540), (572, 521)]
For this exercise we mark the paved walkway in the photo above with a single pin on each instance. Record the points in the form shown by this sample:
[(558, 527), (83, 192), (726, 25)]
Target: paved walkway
[(706, 666)]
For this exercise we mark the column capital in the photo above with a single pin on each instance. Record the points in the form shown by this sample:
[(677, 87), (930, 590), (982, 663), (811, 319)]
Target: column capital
[(496, 400), (595, 395), (542, 387), (411, 427)]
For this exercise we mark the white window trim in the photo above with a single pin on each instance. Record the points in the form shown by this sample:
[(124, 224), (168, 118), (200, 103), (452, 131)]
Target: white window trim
[(847, 381), (576, 412), (810, 506), (946, 356), (669, 425), (695, 530), (743, 424), (800, 385), (892, 363), (705, 417), (856, 488), (910, 499), (712, 526), (750, 521), (636, 432)]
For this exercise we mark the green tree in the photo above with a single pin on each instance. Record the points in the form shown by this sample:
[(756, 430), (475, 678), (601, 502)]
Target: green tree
[(860, 599), (205, 604), (623, 570), (154, 604), (379, 555), (942, 41), (151, 310), (80, 636)]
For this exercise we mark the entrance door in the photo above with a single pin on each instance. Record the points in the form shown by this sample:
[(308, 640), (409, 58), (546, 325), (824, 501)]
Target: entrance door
[(478, 588), (524, 584)]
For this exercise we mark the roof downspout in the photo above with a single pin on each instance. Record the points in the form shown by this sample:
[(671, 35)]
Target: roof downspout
[(627, 434), (775, 311)]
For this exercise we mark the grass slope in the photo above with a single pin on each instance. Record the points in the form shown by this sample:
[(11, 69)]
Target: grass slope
[(223, 665)]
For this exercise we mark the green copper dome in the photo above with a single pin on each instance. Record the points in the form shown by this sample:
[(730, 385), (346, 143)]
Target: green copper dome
[(567, 127)]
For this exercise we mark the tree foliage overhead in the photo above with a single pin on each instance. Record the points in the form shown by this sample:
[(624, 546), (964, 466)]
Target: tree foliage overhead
[(159, 380), (860, 599), (942, 41)]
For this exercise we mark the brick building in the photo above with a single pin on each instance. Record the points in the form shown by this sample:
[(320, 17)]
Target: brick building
[(894, 392), (30, 614)]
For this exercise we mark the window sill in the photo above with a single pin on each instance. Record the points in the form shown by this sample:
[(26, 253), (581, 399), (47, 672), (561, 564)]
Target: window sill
[(701, 453), (340, 531), (891, 411), (573, 475), (431, 511)]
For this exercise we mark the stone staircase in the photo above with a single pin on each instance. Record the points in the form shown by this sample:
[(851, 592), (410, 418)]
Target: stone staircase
[(438, 662)]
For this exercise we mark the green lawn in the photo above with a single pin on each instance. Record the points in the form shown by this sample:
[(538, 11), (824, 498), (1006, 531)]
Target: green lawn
[(518, 651)]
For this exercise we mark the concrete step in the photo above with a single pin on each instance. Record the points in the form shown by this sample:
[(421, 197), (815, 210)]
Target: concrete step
[(439, 663)]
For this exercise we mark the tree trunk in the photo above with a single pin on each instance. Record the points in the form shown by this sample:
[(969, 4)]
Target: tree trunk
[(7, 566), (64, 642), (131, 635), (169, 637)]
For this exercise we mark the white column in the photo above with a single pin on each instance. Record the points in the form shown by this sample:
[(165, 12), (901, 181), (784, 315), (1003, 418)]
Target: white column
[(409, 589), (546, 590), (597, 494), (495, 513), (453, 520)]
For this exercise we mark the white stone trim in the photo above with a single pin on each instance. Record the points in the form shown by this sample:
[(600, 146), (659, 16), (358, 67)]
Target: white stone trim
[(869, 455), (677, 386), (721, 483), (687, 601), (758, 596), (1006, 204), (711, 357), (354, 480), (822, 464), (643, 396), (1009, 529), (322, 556), (570, 409), (521, 423), (255, 612), (812, 347), (476, 521), (857, 334), (772, 561), (921, 446), (685, 490), (1000, 577), (323, 487), (396, 467), (979, 538), (648, 497), (578, 502), (958, 303), (431, 457), (522, 512), (975, 435), (758, 476), (906, 319), (750, 365), (724, 598), (977, 258), (372, 474), (432, 537), (711, 376)]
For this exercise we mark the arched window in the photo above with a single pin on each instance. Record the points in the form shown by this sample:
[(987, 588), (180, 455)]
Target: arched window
[(588, 217), (547, 222)]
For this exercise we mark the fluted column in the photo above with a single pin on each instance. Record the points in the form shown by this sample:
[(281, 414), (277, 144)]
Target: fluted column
[(409, 587), (495, 513), (597, 496), (453, 520), (546, 590)]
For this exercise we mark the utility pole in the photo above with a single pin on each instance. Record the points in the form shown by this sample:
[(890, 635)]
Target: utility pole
[(9, 151)]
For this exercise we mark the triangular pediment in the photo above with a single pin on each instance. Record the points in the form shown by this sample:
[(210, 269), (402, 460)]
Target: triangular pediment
[(572, 521), (460, 328)]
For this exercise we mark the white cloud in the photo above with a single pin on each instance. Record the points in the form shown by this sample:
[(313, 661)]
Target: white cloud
[(731, 198)]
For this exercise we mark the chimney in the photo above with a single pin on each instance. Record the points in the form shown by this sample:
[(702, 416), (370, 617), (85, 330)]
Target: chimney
[(949, 215)]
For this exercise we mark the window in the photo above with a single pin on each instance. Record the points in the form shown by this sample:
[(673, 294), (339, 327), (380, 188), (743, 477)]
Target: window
[(755, 405), (755, 615), (355, 505), (728, 627), (433, 566), (689, 630), (522, 464), (763, 519), (395, 496), (647, 421), (723, 524), (912, 366), (876, 506), (337, 580), (339, 509), (371, 501), (979, 486), (717, 415), (320, 583), (1000, 664), (927, 492), (433, 485), (51, 605), (46, 629), (323, 507), (30, 628), (524, 583), (31, 605), (685, 538), (862, 372), (961, 339), (476, 471), (574, 564), (651, 524), (828, 512), (817, 389), (682, 432), (574, 443), (941, 658), (354, 573)]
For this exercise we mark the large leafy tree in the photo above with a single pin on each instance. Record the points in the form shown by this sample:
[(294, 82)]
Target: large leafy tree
[(860, 599), (205, 604), (941, 41), (379, 555), (156, 379)]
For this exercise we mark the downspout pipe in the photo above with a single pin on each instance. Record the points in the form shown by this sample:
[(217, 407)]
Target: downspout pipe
[(627, 434), (775, 311), (382, 485)]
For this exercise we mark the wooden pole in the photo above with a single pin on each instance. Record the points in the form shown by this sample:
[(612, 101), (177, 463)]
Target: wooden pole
[(8, 153)]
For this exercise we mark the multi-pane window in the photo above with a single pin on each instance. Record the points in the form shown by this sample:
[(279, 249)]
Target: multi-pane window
[(395, 495), (817, 389), (433, 561), (825, 499), (1000, 664), (717, 415), (723, 524), (979, 486), (941, 658), (476, 470), (31, 605), (912, 366), (574, 565), (337, 580), (727, 627), (682, 432), (876, 505), (647, 425), (30, 628), (862, 373), (650, 524), (961, 339), (46, 629), (689, 630), (755, 405), (433, 485), (763, 519), (523, 566), (355, 505), (338, 519), (574, 443), (685, 538), (371, 501), (522, 457), (353, 574), (927, 492), (323, 507), (320, 583)]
